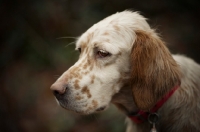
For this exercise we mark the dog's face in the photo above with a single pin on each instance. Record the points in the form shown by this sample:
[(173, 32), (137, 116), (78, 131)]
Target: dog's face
[(104, 64), (90, 83)]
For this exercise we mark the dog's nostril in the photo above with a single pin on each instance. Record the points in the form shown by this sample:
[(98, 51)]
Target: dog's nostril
[(55, 92), (58, 88)]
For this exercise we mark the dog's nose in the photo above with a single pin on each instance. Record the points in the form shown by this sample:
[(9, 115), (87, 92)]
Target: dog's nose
[(58, 88)]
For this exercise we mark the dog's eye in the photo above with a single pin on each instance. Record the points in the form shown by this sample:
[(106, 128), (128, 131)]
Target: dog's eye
[(79, 49), (102, 53)]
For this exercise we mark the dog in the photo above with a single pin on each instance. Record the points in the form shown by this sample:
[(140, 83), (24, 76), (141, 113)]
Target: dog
[(123, 61)]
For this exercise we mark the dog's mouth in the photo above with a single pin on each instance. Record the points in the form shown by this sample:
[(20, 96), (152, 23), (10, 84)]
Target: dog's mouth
[(82, 112), (101, 109), (80, 109), (72, 109)]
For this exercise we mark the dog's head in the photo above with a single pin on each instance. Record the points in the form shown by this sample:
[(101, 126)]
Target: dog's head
[(119, 50)]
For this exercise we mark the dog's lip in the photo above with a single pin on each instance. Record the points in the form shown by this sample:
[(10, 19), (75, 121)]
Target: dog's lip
[(78, 111), (101, 108)]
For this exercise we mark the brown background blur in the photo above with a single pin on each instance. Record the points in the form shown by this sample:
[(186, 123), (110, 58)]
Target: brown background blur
[(32, 58)]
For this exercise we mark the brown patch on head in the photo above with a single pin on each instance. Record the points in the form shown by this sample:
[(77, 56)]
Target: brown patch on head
[(75, 72), (88, 60), (93, 106), (76, 84), (86, 50), (74, 69), (82, 63), (69, 77), (94, 103), (80, 77), (88, 64), (154, 72), (89, 108), (117, 28), (106, 33), (85, 65), (78, 97), (85, 90), (92, 79), (91, 67), (85, 73)]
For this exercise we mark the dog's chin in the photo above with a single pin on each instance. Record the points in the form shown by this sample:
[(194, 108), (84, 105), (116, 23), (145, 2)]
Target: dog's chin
[(83, 112)]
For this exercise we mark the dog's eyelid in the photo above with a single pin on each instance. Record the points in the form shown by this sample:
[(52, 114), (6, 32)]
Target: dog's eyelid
[(103, 53)]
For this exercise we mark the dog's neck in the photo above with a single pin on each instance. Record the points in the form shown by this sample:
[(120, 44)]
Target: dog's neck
[(124, 100)]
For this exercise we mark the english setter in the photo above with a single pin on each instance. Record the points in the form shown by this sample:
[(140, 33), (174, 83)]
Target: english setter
[(123, 61)]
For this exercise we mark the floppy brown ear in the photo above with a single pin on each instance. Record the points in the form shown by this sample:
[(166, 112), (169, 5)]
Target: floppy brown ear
[(153, 70)]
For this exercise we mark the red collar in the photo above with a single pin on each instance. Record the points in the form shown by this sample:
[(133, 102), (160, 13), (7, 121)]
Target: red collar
[(142, 116)]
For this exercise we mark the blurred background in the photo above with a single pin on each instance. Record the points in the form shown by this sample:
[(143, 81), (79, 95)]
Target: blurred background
[(32, 57)]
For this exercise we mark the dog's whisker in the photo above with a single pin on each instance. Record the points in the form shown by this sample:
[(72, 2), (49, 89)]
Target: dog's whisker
[(67, 38), (70, 44)]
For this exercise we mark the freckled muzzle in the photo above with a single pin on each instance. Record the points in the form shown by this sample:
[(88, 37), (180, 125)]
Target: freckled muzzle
[(77, 100), (60, 91), (65, 97)]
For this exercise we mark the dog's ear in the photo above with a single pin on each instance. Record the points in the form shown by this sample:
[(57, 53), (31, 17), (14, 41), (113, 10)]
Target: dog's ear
[(153, 70)]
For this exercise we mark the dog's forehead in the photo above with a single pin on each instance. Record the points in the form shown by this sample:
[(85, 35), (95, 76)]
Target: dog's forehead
[(116, 29)]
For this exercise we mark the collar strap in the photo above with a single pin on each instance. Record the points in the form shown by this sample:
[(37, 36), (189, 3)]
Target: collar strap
[(142, 116)]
